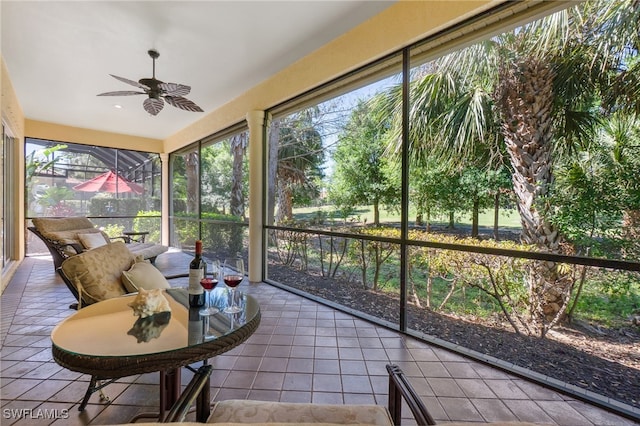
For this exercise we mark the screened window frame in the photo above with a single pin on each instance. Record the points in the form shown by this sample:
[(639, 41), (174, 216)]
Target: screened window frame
[(494, 21), (209, 140)]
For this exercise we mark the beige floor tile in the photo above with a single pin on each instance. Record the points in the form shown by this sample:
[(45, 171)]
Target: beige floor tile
[(302, 352)]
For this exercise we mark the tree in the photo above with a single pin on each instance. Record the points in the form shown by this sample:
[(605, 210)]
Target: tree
[(363, 173), (479, 188), (622, 133), (299, 158), (596, 187), (217, 177), (531, 93)]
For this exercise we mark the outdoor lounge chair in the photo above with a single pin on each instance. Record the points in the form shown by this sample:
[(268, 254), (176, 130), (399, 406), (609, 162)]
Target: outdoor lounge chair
[(69, 236), (109, 271)]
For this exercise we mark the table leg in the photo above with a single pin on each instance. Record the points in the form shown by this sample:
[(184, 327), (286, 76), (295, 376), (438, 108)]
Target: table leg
[(203, 403), (87, 395), (95, 385), (169, 389)]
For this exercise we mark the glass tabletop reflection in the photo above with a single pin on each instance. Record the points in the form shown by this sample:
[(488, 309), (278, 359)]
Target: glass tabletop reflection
[(110, 328)]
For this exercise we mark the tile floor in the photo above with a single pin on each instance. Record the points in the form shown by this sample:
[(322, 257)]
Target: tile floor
[(302, 352)]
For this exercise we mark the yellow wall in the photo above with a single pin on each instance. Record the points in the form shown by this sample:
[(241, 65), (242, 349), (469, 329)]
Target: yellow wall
[(12, 114), (58, 132), (13, 119), (396, 27)]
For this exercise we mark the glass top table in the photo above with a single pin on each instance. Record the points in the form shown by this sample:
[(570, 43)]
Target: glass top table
[(107, 341)]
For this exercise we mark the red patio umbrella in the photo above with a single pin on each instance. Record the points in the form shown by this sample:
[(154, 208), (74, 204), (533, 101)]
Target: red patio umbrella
[(109, 182)]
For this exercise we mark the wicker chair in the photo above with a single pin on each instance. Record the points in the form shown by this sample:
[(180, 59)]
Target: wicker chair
[(236, 412), (268, 413)]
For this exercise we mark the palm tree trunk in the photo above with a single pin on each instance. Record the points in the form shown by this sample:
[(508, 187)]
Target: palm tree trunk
[(525, 100), (285, 202), (274, 143), (191, 163), (238, 145)]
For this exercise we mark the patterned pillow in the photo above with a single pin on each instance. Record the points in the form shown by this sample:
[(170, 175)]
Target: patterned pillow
[(92, 240), (97, 273), (143, 275)]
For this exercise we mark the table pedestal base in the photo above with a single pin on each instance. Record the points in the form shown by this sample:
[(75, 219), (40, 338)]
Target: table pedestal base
[(169, 389), (169, 394)]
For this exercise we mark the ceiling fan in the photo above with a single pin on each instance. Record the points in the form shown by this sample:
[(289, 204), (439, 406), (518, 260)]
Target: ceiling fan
[(172, 93)]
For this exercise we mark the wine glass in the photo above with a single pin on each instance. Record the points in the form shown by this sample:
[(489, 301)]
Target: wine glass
[(209, 284), (233, 273)]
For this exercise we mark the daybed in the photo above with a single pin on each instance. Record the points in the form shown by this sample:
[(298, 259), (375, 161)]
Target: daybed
[(68, 236)]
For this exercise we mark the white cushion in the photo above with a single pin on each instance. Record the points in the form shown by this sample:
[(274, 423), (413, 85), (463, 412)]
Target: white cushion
[(92, 240), (143, 275), (266, 412)]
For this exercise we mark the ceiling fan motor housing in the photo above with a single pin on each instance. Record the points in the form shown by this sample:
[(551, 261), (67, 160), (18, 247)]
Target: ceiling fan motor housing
[(153, 85)]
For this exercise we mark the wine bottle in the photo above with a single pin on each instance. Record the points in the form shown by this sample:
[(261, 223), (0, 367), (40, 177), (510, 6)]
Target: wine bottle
[(195, 327), (197, 271)]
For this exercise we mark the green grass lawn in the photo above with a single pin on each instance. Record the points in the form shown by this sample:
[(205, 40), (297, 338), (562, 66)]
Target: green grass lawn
[(508, 218)]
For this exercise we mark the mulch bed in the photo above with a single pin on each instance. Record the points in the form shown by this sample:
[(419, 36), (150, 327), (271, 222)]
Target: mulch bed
[(607, 363)]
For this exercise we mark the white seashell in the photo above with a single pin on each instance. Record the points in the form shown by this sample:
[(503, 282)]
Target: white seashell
[(149, 302)]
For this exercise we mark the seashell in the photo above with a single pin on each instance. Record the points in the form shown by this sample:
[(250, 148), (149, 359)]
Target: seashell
[(149, 302)]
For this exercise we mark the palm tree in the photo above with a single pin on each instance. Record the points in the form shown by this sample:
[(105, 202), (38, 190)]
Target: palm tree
[(529, 97), (622, 134), (299, 157)]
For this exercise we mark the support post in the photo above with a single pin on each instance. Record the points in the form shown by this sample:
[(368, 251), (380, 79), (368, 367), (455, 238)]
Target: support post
[(255, 121), (164, 161)]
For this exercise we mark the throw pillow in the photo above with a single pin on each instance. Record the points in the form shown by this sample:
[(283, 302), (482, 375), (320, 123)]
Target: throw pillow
[(97, 273), (92, 240), (143, 275)]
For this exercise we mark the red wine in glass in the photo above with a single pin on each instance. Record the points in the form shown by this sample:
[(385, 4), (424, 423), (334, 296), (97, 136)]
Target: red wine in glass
[(233, 273), (209, 284), (232, 280)]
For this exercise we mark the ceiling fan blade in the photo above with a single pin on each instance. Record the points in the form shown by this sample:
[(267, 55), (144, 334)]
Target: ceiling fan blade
[(182, 103), (121, 93), (131, 82), (175, 89), (153, 106)]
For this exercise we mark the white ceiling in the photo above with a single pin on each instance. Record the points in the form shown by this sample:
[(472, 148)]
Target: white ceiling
[(60, 53)]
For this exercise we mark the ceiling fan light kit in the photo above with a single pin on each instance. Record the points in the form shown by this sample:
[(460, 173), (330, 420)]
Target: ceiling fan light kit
[(157, 91)]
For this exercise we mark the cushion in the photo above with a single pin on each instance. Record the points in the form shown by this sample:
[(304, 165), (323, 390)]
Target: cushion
[(143, 275), (92, 240), (52, 224), (187, 423), (242, 411), (97, 273), (147, 250)]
